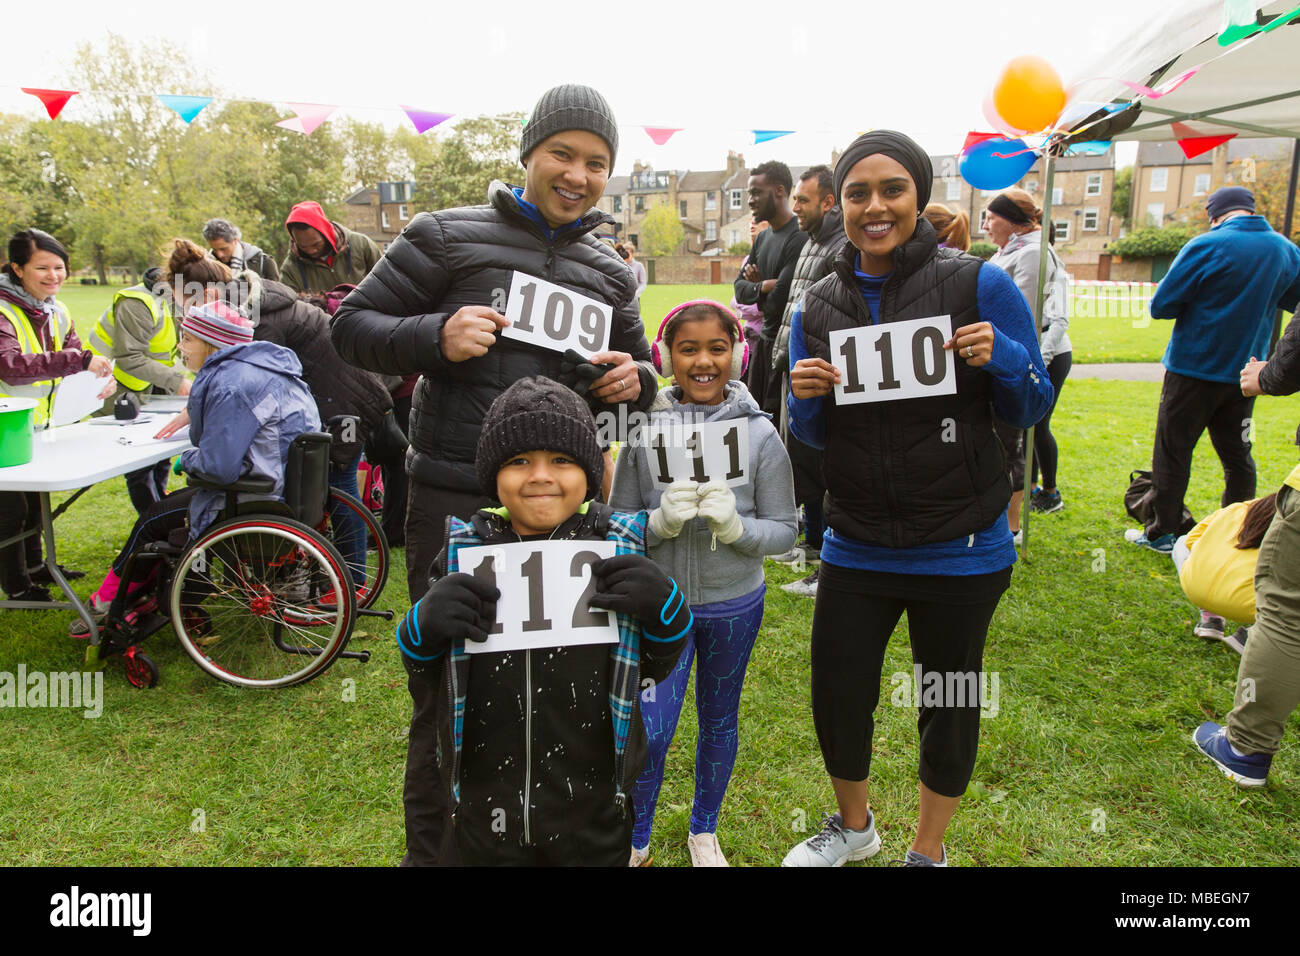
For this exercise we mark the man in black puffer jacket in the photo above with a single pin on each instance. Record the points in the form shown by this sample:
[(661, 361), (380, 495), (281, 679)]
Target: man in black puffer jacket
[(433, 305)]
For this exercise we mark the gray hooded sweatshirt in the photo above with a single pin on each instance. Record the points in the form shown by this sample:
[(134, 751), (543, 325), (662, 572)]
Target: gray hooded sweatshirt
[(766, 505)]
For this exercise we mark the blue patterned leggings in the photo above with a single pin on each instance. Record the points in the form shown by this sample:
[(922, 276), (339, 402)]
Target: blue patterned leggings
[(723, 644)]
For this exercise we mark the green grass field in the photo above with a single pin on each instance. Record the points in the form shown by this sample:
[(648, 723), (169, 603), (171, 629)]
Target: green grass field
[(1088, 760)]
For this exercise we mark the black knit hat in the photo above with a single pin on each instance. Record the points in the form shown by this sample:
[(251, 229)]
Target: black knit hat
[(571, 106), (537, 414)]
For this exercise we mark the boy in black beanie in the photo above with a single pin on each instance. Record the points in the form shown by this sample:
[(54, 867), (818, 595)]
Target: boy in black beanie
[(544, 743)]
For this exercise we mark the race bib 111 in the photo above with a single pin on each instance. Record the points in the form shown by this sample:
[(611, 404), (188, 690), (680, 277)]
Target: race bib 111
[(556, 318), (893, 361), (546, 587), (710, 451)]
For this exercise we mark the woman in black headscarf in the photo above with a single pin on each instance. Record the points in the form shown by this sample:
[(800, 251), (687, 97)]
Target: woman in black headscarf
[(916, 482)]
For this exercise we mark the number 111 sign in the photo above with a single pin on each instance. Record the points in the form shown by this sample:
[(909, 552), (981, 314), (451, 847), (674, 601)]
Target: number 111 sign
[(885, 363)]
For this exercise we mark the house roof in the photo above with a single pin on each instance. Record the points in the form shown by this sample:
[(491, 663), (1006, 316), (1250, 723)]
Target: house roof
[(617, 185), (703, 180), (362, 196)]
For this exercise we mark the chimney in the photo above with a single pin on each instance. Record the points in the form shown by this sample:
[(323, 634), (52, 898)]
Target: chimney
[(735, 163), (1218, 166)]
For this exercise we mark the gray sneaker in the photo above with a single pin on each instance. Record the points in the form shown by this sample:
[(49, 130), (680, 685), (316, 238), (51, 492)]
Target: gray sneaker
[(835, 844), (804, 587), (920, 859)]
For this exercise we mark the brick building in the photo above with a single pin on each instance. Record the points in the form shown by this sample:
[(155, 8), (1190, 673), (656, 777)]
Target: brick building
[(1167, 185), (380, 212)]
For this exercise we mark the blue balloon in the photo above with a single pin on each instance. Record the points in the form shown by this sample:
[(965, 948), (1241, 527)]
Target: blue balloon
[(983, 170)]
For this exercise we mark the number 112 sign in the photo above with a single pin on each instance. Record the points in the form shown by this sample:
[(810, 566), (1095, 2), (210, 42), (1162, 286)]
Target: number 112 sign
[(885, 363), (546, 588)]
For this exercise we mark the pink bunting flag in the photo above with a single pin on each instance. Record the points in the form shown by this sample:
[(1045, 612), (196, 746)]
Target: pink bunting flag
[(310, 115), (1165, 88), (660, 134), (54, 100), (425, 120)]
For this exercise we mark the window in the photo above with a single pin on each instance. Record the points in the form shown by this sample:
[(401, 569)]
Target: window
[(733, 237), (1094, 186), (636, 240), (1202, 184), (953, 187), (383, 218), (737, 199), (710, 201), (1058, 196), (681, 208), (1062, 230), (1159, 180), (1090, 219), (1156, 213), (640, 204), (401, 213), (1031, 185), (618, 203), (711, 231)]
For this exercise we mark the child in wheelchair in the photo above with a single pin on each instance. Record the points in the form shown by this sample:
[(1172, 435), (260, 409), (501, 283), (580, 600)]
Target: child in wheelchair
[(247, 405), (544, 743)]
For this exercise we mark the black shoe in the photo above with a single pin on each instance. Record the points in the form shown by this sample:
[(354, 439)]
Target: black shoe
[(33, 594), (42, 574)]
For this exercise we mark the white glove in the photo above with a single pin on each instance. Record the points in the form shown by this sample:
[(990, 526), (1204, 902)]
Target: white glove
[(718, 505), (677, 505)]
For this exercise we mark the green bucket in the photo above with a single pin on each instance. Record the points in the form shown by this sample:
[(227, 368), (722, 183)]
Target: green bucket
[(16, 431)]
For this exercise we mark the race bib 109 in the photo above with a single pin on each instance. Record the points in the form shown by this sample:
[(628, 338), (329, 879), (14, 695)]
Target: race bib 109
[(546, 587), (896, 360), (556, 318)]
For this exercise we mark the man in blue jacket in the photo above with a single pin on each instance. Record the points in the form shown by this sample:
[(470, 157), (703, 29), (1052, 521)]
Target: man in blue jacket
[(1222, 291)]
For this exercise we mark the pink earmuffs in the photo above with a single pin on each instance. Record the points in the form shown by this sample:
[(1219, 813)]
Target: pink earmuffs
[(739, 351)]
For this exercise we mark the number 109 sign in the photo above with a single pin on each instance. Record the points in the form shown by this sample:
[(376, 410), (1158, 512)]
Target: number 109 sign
[(546, 588), (556, 318), (884, 363)]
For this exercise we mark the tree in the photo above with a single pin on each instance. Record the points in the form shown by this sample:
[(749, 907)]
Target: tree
[(739, 249), (1153, 241), (1121, 196), (478, 151), (661, 232)]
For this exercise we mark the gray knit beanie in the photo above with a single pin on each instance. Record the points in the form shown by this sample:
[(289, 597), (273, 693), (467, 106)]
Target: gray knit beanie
[(571, 106), (538, 414)]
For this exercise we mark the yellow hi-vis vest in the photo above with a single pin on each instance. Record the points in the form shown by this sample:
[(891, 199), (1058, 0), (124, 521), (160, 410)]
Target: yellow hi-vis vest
[(161, 347), (29, 341)]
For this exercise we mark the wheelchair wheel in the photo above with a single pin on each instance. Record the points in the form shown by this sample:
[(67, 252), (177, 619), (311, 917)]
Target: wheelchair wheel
[(370, 571), (247, 602)]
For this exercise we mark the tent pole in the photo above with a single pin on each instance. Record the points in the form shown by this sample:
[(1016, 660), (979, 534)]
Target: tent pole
[(1044, 255), (1286, 229)]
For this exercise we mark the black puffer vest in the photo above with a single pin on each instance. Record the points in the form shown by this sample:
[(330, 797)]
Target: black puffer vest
[(917, 471)]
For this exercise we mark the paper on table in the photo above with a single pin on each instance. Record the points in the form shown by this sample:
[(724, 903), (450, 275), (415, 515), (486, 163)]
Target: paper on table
[(122, 422), (182, 434), (76, 397)]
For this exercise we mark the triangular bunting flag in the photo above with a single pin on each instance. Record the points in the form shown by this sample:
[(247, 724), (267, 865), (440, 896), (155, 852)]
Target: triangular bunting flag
[(1164, 89), (54, 100), (972, 138), (1093, 147), (425, 120), (310, 115), (1193, 146), (660, 134), (186, 107), (763, 135)]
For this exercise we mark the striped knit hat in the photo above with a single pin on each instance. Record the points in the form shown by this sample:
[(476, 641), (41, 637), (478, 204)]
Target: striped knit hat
[(217, 324)]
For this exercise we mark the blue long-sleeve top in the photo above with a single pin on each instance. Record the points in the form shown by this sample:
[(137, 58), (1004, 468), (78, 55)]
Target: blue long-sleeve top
[(1223, 289), (1022, 395)]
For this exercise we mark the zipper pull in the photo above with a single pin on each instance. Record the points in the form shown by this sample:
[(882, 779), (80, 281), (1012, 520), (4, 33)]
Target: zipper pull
[(713, 545), (620, 801)]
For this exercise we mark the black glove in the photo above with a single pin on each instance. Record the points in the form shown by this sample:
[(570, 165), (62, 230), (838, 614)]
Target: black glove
[(577, 373), (632, 584), (386, 444), (456, 607)]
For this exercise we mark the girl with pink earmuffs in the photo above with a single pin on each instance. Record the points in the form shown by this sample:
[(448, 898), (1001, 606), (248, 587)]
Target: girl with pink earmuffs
[(710, 537)]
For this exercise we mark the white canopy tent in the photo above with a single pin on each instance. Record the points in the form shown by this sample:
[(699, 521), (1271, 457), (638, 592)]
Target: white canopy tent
[(1249, 86)]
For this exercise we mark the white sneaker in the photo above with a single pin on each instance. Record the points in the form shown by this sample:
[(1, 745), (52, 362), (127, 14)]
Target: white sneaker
[(835, 845), (705, 850), (804, 587), (642, 857)]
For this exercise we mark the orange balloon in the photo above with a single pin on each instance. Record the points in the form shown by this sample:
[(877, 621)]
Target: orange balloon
[(1029, 94)]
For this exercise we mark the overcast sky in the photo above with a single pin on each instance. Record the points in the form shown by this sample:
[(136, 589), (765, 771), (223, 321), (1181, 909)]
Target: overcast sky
[(716, 70)]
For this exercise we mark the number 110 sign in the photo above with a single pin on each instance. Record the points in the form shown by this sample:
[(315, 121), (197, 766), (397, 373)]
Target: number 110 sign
[(546, 588), (884, 363)]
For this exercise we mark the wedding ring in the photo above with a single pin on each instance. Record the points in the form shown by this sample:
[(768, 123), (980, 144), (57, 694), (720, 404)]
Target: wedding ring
[(622, 384)]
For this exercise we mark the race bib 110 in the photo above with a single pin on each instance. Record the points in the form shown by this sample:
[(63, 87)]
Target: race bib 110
[(546, 587), (896, 360), (556, 318)]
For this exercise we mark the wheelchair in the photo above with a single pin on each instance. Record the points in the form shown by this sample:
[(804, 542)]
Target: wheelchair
[(262, 598)]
